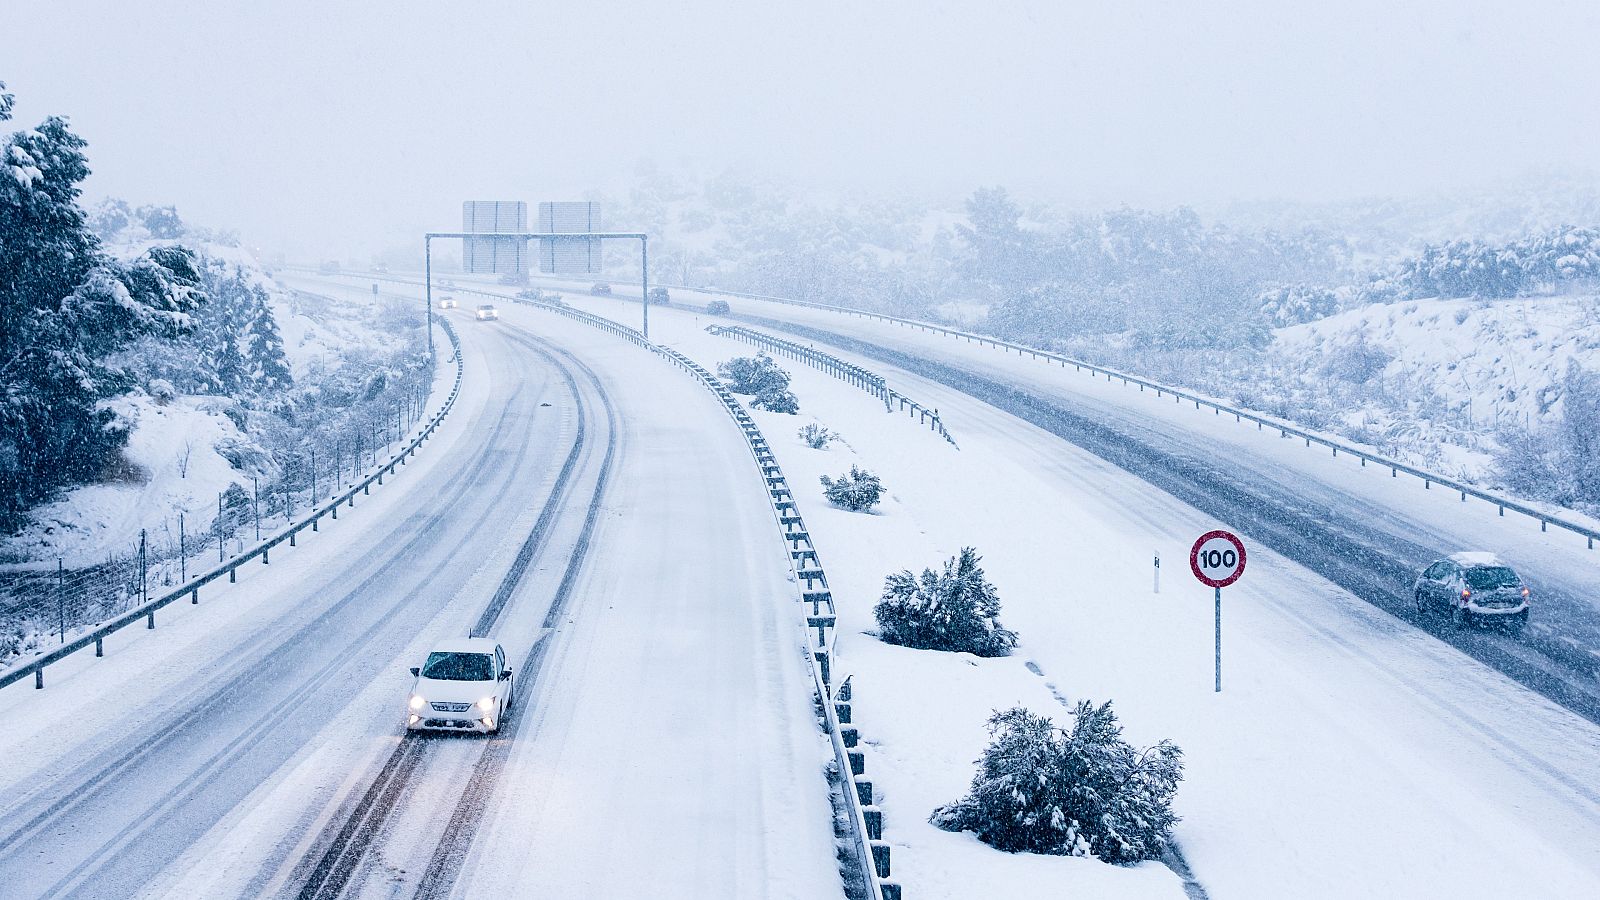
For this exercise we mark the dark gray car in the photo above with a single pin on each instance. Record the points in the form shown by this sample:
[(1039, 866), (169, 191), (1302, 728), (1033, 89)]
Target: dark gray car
[(1473, 587)]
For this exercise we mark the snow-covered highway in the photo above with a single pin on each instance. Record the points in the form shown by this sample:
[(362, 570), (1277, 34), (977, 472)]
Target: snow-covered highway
[(1347, 739), (233, 752)]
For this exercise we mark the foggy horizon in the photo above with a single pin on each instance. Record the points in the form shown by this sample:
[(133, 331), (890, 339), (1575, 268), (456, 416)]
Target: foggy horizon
[(301, 127)]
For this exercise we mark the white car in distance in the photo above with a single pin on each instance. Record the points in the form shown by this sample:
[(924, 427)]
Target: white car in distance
[(487, 312), (447, 303), (465, 685)]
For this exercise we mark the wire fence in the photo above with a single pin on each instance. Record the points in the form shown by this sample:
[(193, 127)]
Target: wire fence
[(43, 606)]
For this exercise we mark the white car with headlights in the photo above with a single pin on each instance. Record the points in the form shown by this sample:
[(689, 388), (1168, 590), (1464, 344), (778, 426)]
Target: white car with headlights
[(465, 685), (447, 303), (487, 312)]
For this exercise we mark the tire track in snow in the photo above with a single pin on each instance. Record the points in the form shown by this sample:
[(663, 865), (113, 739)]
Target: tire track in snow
[(346, 843)]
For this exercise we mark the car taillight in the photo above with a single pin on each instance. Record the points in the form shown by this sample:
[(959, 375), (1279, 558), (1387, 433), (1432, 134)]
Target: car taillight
[(1465, 593), (1526, 593)]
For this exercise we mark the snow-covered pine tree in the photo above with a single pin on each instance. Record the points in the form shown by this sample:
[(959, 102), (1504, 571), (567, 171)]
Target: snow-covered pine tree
[(65, 308), (956, 609), (266, 363)]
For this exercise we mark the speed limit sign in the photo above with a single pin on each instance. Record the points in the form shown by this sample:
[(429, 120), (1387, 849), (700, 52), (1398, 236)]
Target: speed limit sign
[(1217, 560)]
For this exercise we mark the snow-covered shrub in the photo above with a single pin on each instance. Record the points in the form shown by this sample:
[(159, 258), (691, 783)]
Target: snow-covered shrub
[(817, 436), (1559, 463), (718, 308), (855, 490), (956, 610), (1083, 792), (753, 374), (161, 391), (776, 399), (1358, 363), (1293, 304)]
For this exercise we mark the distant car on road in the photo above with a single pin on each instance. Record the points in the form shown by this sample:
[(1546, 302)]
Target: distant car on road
[(447, 284), (718, 308), (465, 685), (600, 289), (660, 296), (539, 295), (447, 303), (486, 312), (1473, 587)]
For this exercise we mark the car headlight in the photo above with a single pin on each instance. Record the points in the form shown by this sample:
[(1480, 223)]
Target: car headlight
[(486, 704), (417, 702)]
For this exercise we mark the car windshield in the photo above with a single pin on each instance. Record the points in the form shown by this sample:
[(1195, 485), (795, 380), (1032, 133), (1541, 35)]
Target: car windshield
[(1485, 578), (459, 667)]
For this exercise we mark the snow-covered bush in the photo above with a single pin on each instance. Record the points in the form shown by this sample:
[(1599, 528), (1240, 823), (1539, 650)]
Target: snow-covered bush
[(1083, 792), (956, 610), (776, 399), (1293, 304), (718, 308), (817, 436), (753, 375), (1559, 463), (161, 391), (855, 490)]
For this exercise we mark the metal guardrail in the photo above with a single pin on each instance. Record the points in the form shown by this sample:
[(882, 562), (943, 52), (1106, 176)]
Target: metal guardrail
[(873, 857), (1285, 429), (869, 381), (1395, 467), (191, 588), (872, 854)]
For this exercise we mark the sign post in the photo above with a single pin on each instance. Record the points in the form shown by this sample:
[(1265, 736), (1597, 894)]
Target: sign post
[(1217, 560)]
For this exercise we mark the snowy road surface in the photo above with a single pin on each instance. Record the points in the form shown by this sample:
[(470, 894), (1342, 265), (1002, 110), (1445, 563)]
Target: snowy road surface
[(1361, 528), (1351, 754), (665, 744)]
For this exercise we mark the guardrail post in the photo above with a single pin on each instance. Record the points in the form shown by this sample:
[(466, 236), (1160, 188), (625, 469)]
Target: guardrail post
[(891, 891), (863, 790), (880, 858), (99, 647), (874, 820), (38, 679), (194, 597), (150, 619), (264, 559), (233, 575)]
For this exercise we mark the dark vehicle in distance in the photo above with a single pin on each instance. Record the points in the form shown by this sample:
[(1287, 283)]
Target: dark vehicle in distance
[(1474, 587), (659, 296), (718, 308), (600, 289)]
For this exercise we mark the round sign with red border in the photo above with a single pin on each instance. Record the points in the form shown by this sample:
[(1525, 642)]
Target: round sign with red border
[(1217, 558)]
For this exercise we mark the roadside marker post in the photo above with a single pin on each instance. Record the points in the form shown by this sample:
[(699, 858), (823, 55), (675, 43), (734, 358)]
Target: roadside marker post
[(1217, 560)]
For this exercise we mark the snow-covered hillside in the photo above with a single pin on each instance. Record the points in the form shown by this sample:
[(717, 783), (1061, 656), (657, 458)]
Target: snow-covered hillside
[(1498, 361)]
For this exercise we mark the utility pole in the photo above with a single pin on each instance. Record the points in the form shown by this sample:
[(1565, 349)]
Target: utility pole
[(313, 474), (144, 585), (183, 552), (61, 598), (427, 295), (255, 505)]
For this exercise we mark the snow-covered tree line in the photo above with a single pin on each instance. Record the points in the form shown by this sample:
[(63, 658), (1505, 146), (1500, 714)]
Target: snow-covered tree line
[(233, 349), (1548, 261), (66, 306)]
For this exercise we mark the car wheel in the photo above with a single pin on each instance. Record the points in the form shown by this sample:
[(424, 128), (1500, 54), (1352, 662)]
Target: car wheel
[(1422, 607), (1459, 617)]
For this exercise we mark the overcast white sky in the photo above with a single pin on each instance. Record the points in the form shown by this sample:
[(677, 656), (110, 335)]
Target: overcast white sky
[(301, 122)]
